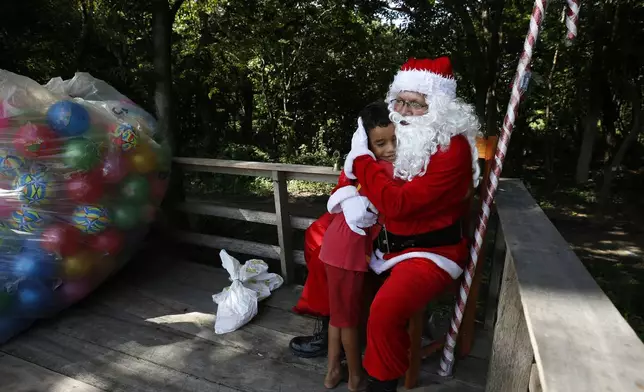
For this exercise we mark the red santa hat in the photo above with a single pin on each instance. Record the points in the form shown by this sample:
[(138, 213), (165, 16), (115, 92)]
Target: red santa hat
[(426, 76)]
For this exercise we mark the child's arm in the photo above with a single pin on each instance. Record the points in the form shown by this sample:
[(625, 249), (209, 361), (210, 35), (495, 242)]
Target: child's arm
[(345, 189)]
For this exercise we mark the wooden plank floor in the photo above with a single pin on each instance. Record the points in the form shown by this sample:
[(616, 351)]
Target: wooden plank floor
[(151, 329)]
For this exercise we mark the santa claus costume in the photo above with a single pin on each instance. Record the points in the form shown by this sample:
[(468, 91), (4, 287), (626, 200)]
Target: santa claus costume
[(424, 244)]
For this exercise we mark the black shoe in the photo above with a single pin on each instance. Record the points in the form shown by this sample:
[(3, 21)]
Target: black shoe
[(382, 386), (315, 345)]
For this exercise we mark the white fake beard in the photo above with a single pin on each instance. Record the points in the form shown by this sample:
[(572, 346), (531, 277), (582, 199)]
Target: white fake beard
[(420, 137)]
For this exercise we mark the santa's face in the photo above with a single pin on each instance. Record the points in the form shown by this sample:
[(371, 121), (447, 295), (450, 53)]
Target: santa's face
[(409, 103)]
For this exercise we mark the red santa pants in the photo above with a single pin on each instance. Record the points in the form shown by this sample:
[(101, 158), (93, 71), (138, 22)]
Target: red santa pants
[(411, 285)]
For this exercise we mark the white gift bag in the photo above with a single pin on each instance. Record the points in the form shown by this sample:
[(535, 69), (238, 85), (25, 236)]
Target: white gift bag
[(237, 303)]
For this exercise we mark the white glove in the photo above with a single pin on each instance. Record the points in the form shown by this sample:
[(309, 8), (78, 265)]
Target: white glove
[(357, 215), (359, 147)]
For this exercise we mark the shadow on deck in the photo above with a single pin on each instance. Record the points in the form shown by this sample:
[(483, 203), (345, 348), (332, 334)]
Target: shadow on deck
[(151, 329)]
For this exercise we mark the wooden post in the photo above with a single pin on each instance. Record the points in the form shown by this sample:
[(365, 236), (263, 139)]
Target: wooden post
[(535, 383), (512, 356), (284, 230), (495, 278)]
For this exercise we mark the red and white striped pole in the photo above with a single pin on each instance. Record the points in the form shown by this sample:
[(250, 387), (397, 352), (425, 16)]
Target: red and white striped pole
[(538, 14), (572, 19)]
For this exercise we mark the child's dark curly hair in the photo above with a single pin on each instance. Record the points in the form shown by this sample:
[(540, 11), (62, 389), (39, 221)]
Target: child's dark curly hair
[(375, 114)]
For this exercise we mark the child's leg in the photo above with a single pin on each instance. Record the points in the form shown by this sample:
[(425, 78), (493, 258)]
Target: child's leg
[(334, 367), (355, 300), (352, 348)]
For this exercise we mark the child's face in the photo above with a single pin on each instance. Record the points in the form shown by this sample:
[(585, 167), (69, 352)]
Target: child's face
[(382, 142)]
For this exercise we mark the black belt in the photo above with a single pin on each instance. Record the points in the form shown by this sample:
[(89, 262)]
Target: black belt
[(450, 235)]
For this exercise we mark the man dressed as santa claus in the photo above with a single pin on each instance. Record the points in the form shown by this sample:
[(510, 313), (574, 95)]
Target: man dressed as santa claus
[(422, 246)]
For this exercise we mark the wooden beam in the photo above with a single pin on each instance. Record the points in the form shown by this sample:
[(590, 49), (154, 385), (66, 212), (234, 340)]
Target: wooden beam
[(235, 245), (580, 340), (230, 244), (210, 209), (511, 360), (495, 278), (247, 215), (535, 384), (259, 169), (284, 232)]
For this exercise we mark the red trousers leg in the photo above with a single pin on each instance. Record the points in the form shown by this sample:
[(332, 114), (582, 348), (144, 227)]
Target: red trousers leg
[(411, 285)]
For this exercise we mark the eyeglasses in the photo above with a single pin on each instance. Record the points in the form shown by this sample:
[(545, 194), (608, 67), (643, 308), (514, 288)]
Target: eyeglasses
[(411, 104)]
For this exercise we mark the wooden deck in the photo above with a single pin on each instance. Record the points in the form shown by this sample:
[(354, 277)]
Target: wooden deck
[(151, 329)]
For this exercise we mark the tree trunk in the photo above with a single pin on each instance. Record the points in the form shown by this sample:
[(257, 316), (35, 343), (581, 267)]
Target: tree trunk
[(162, 20), (636, 128), (597, 80), (586, 151), (590, 122), (495, 20), (162, 52), (87, 9), (248, 95)]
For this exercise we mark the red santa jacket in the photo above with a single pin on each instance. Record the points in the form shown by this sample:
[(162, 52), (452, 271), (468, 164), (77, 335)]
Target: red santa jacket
[(430, 202), (427, 203)]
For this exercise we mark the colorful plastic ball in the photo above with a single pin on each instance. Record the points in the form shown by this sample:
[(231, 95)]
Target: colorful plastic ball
[(61, 239), (35, 188), (8, 205), (115, 167), (91, 219), (36, 140), (68, 118), (143, 159), (10, 243), (108, 242), (10, 164), (124, 137), (34, 264), (135, 189), (34, 296), (81, 154), (103, 267), (78, 265), (126, 216), (73, 291), (85, 188), (26, 219)]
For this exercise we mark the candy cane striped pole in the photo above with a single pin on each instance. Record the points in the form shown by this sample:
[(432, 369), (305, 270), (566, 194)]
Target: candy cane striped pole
[(538, 14), (572, 18)]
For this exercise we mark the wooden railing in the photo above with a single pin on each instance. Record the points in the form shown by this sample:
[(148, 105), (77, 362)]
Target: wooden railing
[(281, 218), (556, 329)]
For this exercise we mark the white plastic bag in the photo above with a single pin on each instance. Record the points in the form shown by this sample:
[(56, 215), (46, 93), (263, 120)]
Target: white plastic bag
[(237, 303)]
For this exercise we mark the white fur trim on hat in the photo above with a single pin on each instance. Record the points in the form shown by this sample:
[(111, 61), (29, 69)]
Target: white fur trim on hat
[(423, 82)]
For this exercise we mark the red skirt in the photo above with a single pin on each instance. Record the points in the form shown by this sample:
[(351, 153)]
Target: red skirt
[(343, 248), (346, 296)]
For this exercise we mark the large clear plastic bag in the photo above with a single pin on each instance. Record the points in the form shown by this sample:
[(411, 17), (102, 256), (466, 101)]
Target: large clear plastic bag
[(82, 173), (237, 303)]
